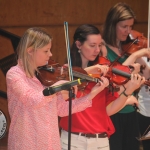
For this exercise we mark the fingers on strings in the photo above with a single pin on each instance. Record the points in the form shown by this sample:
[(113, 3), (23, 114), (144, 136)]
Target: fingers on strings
[(137, 78)]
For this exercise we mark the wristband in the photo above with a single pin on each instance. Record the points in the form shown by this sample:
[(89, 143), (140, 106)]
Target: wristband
[(123, 87), (126, 94)]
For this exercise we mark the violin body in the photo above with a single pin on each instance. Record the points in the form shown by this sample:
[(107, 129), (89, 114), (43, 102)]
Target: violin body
[(115, 78), (135, 42), (118, 73), (118, 79), (50, 74), (53, 72)]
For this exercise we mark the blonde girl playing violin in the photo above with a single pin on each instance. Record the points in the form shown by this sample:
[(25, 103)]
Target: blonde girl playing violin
[(34, 121)]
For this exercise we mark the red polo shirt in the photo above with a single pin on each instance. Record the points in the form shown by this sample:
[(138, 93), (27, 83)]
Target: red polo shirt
[(93, 119)]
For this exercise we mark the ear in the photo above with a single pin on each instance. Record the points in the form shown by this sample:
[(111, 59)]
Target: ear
[(30, 50), (78, 44)]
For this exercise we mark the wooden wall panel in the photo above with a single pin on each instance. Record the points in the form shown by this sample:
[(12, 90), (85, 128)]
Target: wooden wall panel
[(16, 16), (55, 12)]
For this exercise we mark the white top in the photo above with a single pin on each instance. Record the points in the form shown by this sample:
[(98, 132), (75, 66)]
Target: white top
[(144, 97)]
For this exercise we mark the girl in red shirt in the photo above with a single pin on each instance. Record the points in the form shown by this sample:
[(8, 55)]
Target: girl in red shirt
[(92, 127)]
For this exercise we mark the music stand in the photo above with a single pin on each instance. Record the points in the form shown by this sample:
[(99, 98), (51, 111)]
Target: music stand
[(145, 136)]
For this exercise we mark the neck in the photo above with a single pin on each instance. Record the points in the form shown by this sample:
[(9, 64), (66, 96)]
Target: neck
[(117, 49), (118, 43), (84, 64)]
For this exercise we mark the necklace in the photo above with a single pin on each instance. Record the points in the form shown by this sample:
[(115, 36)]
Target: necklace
[(119, 48)]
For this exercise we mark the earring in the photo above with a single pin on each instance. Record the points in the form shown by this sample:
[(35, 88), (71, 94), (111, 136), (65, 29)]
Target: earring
[(79, 51)]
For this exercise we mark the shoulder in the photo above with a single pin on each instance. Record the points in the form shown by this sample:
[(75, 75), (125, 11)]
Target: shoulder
[(14, 69), (14, 72), (108, 48)]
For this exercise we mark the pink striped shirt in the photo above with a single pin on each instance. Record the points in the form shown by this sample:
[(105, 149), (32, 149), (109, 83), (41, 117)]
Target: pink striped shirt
[(34, 121)]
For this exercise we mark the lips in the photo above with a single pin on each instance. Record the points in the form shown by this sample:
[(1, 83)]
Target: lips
[(94, 56)]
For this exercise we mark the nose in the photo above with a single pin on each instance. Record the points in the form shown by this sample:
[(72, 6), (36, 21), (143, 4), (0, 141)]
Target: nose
[(97, 48), (50, 54), (129, 30)]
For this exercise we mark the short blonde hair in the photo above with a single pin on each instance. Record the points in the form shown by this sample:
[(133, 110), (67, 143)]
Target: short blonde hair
[(33, 38)]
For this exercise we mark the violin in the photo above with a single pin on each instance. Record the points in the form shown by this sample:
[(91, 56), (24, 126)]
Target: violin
[(118, 73), (113, 77), (134, 42), (53, 72)]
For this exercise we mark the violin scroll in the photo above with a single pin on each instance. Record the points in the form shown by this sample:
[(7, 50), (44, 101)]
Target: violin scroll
[(135, 42)]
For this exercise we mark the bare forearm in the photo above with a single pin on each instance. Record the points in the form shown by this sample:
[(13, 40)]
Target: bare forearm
[(138, 54), (116, 105), (131, 59)]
